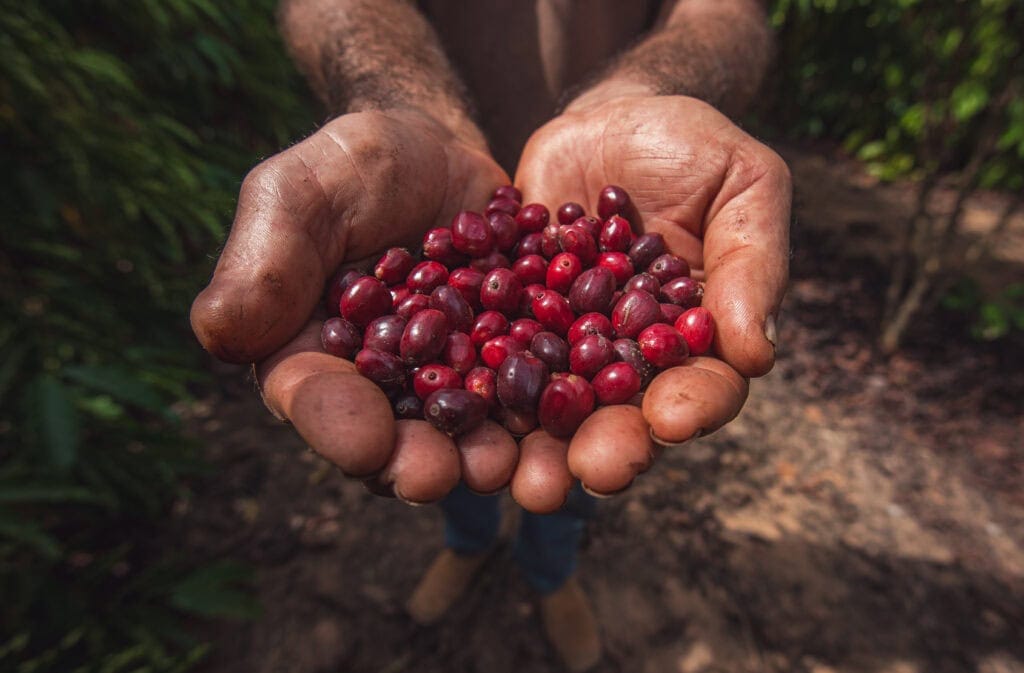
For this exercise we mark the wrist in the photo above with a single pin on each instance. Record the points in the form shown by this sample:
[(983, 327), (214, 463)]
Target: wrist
[(608, 90)]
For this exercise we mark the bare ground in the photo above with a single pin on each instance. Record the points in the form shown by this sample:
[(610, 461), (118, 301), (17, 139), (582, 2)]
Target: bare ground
[(861, 515)]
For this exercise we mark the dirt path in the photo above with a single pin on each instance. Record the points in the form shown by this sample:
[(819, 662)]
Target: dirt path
[(859, 516)]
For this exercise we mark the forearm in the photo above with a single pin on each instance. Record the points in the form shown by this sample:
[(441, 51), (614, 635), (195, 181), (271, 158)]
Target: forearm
[(361, 55), (714, 50)]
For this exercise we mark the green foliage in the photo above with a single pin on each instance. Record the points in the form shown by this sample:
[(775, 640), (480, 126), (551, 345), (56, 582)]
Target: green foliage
[(991, 317), (126, 129), (909, 86)]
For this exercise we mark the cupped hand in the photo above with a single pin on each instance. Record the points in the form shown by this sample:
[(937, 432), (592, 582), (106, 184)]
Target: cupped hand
[(361, 184), (722, 201)]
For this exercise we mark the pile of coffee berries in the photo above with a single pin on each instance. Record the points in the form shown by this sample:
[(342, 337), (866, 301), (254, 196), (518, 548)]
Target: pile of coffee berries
[(516, 316)]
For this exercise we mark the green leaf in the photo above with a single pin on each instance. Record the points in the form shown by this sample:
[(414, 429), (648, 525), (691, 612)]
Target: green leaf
[(47, 493), (968, 99), (56, 420), (217, 591), (120, 384)]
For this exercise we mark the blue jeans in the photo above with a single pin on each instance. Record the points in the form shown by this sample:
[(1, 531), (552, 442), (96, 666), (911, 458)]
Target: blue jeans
[(545, 547)]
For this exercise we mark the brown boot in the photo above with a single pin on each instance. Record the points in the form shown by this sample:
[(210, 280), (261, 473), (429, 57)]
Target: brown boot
[(571, 627), (442, 585)]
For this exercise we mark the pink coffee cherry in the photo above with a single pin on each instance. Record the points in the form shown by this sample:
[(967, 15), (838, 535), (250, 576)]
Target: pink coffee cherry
[(433, 377), (666, 267), (564, 405), (501, 291), (483, 382), (364, 300), (426, 276), (634, 312), (498, 349), (646, 249), (394, 266), (612, 200), (533, 217), (488, 325), (424, 337), (384, 333), (590, 323), (616, 383), (569, 212), (340, 338), (698, 329), (552, 310), (472, 234), (531, 269), (563, 271), (618, 263), (590, 354), (616, 235), (663, 346), (508, 192)]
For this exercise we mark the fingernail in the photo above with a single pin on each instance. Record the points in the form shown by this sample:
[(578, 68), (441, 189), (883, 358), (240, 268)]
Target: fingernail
[(771, 331), (675, 445)]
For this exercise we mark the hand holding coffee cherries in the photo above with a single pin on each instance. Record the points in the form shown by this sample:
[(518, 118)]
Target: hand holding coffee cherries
[(721, 202)]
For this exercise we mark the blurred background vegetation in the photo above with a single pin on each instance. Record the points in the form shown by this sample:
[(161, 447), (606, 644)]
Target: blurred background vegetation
[(126, 129)]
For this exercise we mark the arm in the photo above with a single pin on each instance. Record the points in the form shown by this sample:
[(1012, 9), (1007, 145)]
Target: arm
[(714, 50), (361, 55)]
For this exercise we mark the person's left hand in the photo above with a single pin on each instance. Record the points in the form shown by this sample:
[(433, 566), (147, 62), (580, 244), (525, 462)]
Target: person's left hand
[(722, 201)]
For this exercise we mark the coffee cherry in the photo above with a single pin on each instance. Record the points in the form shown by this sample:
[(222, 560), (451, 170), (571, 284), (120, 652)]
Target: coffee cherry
[(384, 333), (501, 205), (433, 377), (412, 305), (384, 369), (643, 281), (587, 324), (408, 406), (437, 245), (533, 217), (524, 329), (472, 234), (616, 383), (590, 354), (399, 293), (591, 224), (666, 267), (549, 244), (521, 379), (508, 192), (488, 325), (698, 329), (518, 423), (670, 313), (454, 411), (364, 300), (336, 287), (500, 291), (426, 276), (506, 231), (569, 212), (633, 312), (468, 282), (577, 240), (563, 271), (340, 338), (495, 351), (646, 249), (456, 309), (616, 235), (592, 291), (552, 350), (493, 260), (564, 405), (529, 245), (483, 382), (530, 292), (628, 351), (394, 266), (424, 337), (552, 310), (618, 263), (612, 200), (459, 353), (683, 291), (662, 345), (531, 269)]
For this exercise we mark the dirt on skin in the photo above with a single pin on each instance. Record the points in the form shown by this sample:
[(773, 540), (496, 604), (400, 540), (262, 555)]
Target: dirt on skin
[(860, 515)]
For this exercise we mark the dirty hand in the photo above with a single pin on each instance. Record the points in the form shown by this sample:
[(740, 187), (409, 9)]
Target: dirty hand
[(722, 202), (361, 184)]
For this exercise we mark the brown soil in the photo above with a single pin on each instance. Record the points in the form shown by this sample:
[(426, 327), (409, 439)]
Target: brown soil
[(860, 515)]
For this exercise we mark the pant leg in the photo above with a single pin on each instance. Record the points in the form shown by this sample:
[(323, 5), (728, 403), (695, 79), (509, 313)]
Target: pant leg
[(548, 543), (471, 521)]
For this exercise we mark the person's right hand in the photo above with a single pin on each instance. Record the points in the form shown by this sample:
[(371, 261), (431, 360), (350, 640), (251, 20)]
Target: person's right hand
[(361, 184)]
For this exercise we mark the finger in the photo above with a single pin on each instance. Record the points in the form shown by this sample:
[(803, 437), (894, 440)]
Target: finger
[(694, 399), (542, 481), (746, 259), (488, 457), (341, 415), (425, 464), (611, 447), (347, 192)]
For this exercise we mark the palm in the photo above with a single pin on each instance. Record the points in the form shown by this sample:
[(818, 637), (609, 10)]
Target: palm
[(720, 199)]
